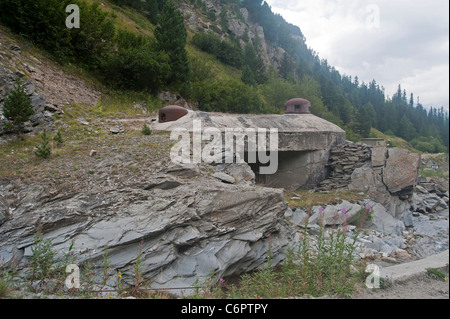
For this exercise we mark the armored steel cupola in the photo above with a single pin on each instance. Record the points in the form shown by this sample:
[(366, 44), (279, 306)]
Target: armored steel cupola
[(171, 113), (298, 106)]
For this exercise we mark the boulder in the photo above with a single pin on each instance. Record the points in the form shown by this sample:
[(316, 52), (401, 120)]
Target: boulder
[(362, 179), (383, 222), (334, 214), (297, 217), (401, 171)]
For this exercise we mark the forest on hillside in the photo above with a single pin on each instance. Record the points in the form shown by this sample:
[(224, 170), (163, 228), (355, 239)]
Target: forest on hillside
[(166, 57)]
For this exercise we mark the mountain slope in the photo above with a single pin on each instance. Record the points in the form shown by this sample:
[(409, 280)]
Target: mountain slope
[(238, 56)]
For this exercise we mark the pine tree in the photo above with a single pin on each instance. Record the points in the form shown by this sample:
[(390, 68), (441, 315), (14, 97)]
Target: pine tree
[(17, 107), (171, 36), (43, 150), (247, 76)]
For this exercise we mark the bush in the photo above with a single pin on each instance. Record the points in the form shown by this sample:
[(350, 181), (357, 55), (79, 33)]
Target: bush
[(17, 107), (146, 130), (323, 268), (43, 150), (58, 137), (42, 258)]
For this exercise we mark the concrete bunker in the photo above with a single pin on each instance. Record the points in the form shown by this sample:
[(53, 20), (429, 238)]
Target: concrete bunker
[(303, 148)]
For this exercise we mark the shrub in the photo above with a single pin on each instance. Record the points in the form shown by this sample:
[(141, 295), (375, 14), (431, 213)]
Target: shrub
[(436, 274), (43, 150), (361, 217), (58, 137), (42, 258), (17, 107), (146, 130), (319, 267)]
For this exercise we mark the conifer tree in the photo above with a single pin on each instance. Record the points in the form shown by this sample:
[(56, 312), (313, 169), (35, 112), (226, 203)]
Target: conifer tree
[(17, 107), (171, 36)]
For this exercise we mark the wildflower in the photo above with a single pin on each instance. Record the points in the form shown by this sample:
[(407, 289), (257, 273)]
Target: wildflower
[(343, 210), (120, 275), (321, 209), (222, 281), (368, 207)]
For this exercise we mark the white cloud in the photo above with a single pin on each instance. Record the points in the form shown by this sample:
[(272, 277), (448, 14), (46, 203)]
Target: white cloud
[(409, 46)]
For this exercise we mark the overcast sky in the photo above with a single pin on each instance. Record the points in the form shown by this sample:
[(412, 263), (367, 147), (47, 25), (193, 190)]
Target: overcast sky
[(392, 41)]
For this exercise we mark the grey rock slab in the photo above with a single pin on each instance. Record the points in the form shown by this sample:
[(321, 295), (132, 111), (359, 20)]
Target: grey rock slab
[(384, 222), (185, 232), (224, 177)]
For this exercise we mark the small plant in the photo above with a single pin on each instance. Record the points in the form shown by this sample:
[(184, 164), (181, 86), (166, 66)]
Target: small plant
[(385, 283), (42, 258), (363, 216), (43, 150), (58, 137), (211, 287), (4, 287), (436, 274), (146, 130), (138, 280)]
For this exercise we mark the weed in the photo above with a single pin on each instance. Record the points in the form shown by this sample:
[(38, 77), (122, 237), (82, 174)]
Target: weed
[(138, 280), (385, 283), (361, 217), (4, 287), (321, 266), (436, 274), (42, 258)]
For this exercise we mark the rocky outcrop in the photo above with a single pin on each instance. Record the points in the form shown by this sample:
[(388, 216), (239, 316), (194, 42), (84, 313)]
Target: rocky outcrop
[(238, 25), (188, 228)]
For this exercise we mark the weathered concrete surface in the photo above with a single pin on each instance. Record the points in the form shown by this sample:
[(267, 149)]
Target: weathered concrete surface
[(297, 169), (304, 143), (304, 132), (403, 272)]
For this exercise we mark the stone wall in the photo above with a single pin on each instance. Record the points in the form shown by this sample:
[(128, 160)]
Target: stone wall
[(344, 160)]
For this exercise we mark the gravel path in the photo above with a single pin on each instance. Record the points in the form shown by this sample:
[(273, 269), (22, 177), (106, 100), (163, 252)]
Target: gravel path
[(417, 288)]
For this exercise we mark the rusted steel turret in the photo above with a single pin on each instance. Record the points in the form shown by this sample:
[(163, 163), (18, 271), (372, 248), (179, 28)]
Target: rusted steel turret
[(171, 113), (298, 106)]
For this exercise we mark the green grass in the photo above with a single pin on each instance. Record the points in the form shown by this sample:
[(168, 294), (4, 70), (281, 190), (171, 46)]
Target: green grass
[(305, 198), (393, 141), (437, 274)]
